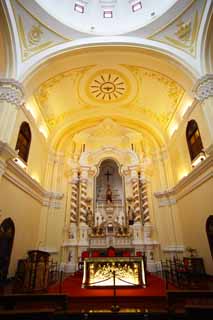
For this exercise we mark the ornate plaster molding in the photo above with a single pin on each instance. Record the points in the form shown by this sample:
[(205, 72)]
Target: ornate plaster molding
[(174, 248), (204, 87), (11, 91), (166, 202)]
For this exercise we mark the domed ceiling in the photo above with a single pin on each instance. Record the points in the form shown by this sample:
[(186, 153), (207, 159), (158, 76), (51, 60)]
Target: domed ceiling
[(106, 17)]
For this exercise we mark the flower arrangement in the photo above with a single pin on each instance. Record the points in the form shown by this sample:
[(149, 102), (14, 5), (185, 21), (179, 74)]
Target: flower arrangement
[(192, 251)]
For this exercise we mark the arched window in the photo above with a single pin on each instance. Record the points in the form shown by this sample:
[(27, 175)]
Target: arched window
[(209, 231), (24, 140), (193, 139)]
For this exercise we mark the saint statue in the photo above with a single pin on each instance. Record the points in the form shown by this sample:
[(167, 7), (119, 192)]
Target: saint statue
[(89, 216), (108, 194)]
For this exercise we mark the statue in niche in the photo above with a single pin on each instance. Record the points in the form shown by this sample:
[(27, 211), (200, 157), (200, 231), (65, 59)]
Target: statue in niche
[(131, 215), (108, 194), (89, 217)]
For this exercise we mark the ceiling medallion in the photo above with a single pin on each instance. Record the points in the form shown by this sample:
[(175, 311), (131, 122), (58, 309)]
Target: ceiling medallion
[(108, 86)]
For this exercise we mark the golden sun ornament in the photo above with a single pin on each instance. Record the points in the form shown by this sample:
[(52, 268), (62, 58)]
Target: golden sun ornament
[(108, 87)]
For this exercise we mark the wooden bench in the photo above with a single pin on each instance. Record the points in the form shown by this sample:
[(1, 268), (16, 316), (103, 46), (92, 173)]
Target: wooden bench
[(21, 301), (179, 299), (26, 314)]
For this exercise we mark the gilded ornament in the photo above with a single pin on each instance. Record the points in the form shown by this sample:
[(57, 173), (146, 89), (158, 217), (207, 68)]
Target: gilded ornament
[(108, 86), (35, 34), (186, 34)]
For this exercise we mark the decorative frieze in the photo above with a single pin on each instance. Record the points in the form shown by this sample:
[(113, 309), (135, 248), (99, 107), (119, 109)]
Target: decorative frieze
[(11, 91), (204, 87)]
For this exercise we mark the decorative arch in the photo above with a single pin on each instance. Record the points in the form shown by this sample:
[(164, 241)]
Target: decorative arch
[(209, 232), (207, 46), (193, 138), (8, 62), (122, 158), (24, 141), (7, 233)]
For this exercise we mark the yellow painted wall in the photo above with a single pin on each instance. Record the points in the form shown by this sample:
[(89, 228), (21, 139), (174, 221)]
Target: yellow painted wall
[(194, 209), (38, 150), (25, 213)]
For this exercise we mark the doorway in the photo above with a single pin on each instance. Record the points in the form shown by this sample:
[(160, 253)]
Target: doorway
[(7, 232), (209, 231)]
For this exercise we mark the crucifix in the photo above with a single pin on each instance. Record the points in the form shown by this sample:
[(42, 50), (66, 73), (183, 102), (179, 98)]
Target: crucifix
[(108, 174)]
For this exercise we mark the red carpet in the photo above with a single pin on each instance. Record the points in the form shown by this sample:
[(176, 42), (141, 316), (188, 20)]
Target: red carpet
[(72, 287), (80, 299)]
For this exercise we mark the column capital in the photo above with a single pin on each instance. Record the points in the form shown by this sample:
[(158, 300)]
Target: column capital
[(203, 89), (12, 92)]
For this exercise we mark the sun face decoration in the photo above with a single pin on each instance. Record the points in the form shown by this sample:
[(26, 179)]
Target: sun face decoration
[(108, 86)]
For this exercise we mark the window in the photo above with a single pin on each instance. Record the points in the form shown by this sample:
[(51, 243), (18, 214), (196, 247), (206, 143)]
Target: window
[(24, 140), (107, 14), (79, 8), (136, 6), (193, 139)]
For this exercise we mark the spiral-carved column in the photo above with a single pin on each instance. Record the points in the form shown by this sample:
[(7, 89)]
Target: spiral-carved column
[(136, 196), (144, 201), (74, 201), (83, 196)]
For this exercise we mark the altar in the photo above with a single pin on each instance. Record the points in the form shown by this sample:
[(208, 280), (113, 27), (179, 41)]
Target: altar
[(107, 271)]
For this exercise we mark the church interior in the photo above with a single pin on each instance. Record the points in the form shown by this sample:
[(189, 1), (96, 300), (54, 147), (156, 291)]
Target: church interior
[(106, 143)]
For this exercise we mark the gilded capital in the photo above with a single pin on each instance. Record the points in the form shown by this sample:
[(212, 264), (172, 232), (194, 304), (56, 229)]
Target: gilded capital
[(11, 91)]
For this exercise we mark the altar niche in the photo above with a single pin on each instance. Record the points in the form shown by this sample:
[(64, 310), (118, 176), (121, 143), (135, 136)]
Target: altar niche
[(110, 216)]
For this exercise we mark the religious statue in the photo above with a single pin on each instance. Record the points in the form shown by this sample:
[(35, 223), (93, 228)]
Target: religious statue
[(108, 194), (89, 217)]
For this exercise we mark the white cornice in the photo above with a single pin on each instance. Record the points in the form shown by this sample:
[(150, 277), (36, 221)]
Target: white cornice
[(199, 175), (26, 183), (6, 152)]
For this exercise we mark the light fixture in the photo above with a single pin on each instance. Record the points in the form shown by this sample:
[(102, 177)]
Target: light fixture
[(136, 6), (79, 8), (107, 14), (20, 163), (199, 158)]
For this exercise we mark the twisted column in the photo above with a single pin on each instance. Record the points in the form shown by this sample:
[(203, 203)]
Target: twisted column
[(83, 196), (144, 201), (74, 197), (74, 202), (136, 196)]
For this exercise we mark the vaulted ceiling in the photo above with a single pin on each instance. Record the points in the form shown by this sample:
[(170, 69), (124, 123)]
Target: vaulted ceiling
[(75, 79)]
